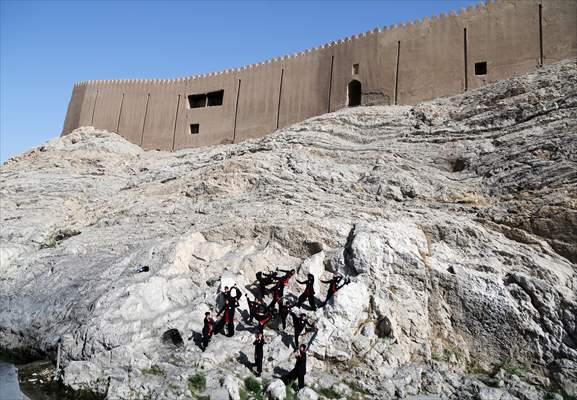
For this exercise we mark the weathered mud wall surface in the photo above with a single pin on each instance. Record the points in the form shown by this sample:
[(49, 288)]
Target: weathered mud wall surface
[(455, 220), (402, 64)]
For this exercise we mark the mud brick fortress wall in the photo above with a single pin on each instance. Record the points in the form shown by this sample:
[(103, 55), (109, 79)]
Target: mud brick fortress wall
[(402, 64)]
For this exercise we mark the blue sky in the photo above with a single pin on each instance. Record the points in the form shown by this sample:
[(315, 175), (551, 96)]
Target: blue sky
[(46, 46)]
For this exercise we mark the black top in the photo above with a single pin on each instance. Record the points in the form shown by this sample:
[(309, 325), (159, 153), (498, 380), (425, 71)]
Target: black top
[(285, 309), (207, 328), (301, 363), (258, 346), (299, 323), (310, 282)]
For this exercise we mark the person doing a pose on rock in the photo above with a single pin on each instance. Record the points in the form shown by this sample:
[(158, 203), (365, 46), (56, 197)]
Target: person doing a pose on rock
[(300, 369), (258, 352), (264, 319), (300, 322), (264, 279), (281, 283), (256, 308), (309, 293), (277, 294), (286, 277), (227, 319), (207, 330), (333, 287), (225, 293), (284, 311)]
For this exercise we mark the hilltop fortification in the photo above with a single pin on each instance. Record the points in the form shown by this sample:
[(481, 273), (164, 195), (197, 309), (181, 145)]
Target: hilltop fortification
[(403, 64)]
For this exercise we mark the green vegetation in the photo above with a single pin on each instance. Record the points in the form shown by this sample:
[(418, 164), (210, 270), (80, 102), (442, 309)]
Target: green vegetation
[(243, 394), (197, 383), (329, 393), (448, 354), (58, 236), (514, 369), (49, 243), (290, 393), (153, 370), (253, 387)]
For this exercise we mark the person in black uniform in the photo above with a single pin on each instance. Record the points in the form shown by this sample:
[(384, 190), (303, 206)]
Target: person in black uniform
[(286, 277), (226, 293), (333, 287), (207, 330), (276, 295), (227, 320), (264, 319), (264, 279), (281, 283), (300, 322), (284, 311), (255, 309), (309, 293), (258, 352), (300, 369)]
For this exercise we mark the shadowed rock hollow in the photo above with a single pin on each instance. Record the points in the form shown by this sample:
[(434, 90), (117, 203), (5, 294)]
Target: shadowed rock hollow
[(455, 219)]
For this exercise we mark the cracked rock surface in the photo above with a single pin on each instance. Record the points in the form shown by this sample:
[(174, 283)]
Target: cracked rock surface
[(455, 220)]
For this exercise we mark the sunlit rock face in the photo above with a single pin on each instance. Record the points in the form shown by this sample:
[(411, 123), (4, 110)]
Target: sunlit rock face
[(454, 222)]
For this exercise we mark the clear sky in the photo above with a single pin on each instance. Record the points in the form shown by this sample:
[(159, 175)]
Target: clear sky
[(46, 46)]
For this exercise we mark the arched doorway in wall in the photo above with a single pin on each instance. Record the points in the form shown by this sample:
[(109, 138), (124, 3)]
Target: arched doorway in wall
[(354, 93)]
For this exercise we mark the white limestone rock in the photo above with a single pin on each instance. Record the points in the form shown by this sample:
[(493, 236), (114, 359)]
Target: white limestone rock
[(307, 393), (276, 390), (466, 261)]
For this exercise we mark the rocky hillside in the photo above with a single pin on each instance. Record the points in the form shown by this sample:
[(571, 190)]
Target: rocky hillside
[(456, 221)]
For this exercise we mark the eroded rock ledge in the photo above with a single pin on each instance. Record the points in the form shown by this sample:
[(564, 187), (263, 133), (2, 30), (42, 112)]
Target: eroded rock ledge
[(456, 220)]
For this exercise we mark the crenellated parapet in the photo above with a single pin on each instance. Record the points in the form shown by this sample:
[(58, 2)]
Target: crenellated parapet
[(401, 27), (402, 63)]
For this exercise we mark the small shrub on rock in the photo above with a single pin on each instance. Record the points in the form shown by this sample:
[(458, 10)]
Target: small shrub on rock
[(197, 383)]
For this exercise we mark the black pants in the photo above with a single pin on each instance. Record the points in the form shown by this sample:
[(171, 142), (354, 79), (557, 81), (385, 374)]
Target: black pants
[(283, 320), (292, 375), (230, 328), (310, 298), (272, 304), (262, 287), (218, 326), (205, 340), (258, 362), (329, 296), (297, 334)]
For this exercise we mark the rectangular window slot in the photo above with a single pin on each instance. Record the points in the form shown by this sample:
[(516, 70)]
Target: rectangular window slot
[(481, 68), (355, 69), (215, 98), (194, 129), (197, 100)]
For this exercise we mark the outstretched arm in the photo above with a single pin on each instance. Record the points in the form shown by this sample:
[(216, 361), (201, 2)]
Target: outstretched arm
[(302, 283), (329, 281)]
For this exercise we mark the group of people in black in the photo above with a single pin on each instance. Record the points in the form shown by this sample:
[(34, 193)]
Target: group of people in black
[(263, 313)]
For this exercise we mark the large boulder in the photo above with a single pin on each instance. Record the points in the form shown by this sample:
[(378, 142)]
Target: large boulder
[(276, 390)]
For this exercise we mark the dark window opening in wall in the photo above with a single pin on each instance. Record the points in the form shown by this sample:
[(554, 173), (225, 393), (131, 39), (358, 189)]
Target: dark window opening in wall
[(481, 68), (354, 93), (215, 98), (194, 129), (197, 100), (355, 69)]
